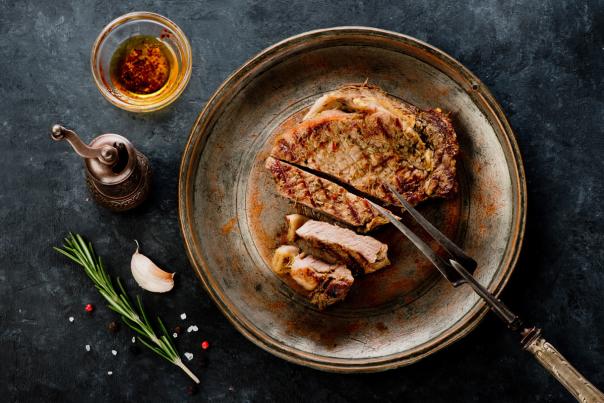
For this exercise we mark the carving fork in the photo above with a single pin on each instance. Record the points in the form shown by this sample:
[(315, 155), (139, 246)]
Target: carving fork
[(458, 268)]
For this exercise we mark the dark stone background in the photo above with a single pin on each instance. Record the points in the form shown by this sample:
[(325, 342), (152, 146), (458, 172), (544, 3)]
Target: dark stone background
[(543, 61)]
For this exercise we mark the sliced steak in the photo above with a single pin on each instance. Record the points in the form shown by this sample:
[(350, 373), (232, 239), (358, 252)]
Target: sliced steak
[(366, 138), (323, 195), (327, 283), (357, 250)]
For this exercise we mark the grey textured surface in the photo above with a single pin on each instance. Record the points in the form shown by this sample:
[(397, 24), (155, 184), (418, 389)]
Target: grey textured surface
[(543, 61)]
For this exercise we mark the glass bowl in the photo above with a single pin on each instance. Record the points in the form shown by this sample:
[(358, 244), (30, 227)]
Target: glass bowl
[(125, 27)]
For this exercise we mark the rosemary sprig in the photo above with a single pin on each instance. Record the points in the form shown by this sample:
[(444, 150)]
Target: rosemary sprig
[(76, 249)]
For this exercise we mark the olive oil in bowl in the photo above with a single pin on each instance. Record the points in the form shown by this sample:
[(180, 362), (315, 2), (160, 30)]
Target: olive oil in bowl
[(141, 62)]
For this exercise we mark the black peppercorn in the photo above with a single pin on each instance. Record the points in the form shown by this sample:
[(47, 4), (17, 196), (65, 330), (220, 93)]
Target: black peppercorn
[(192, 390), (113, 327)]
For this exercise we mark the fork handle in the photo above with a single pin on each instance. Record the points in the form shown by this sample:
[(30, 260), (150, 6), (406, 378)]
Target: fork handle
[(563, 371)]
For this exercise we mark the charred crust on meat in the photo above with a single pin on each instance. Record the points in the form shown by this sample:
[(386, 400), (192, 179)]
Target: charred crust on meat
[(412, 149), (326, 196)]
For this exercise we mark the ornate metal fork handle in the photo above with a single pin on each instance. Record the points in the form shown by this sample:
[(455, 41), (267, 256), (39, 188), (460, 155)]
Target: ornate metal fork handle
[(533, 342), (560, 367)]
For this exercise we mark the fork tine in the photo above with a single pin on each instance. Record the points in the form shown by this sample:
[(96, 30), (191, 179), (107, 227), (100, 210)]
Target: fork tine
[(454, 251), (444, 267)]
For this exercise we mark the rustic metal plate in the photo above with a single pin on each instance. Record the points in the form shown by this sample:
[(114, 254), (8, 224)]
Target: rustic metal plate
[(231, 217)]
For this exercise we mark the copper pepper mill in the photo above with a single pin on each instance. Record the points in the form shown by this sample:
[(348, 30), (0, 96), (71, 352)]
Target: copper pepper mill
[(117, 174)]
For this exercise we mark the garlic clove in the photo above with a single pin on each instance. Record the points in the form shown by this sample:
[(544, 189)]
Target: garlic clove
[(148, 275), (283, 257), (294, 221)]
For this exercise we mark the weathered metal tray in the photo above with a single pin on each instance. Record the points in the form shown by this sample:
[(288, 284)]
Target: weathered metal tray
[(231, 217)]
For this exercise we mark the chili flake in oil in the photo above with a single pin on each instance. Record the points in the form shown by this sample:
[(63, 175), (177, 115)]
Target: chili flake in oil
[(140, 65)]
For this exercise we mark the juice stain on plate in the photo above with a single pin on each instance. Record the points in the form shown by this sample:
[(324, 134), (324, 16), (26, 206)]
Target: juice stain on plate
[(143, 66)]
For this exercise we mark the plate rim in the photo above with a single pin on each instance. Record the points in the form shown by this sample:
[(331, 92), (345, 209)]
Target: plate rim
[(464, 326)]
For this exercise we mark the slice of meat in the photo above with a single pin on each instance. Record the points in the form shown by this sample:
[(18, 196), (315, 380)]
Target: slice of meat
[(361, 250), (327, 283), (333, 289), (309, 271), (323, 195), (366, 138)]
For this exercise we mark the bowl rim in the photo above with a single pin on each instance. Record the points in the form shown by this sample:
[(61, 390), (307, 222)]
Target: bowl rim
[(141, 16), (479, 93)]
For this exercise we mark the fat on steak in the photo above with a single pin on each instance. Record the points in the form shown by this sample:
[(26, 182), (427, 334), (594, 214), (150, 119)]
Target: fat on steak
[(366, 138), (355, 250), (327, 283), (323, 195)]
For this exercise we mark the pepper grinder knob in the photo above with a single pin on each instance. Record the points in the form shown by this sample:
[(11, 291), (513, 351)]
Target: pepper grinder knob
[(106, 154), (117, 174)]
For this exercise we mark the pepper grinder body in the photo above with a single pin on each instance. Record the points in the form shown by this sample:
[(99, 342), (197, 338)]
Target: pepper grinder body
[(118, 176)]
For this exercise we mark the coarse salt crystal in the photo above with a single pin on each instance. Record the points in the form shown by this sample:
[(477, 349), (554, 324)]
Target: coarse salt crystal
[(189, 356), (109, 372), (183, 316), (113, 352), (87, 347), (175, 335), (133, 339), (71, 318)]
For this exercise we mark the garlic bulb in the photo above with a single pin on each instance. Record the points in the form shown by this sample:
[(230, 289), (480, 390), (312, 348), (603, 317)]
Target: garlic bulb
[(148, 275)]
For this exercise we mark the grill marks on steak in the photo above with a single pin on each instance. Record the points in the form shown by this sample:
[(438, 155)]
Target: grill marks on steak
[(364, 138), (318, 193), (354, 249)]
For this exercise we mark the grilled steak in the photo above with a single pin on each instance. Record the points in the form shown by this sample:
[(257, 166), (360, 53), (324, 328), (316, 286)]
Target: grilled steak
[(318, 193), (355, 250), (327, 283), (364, 137)]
